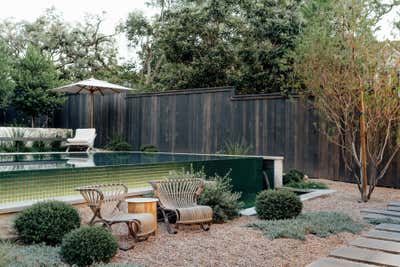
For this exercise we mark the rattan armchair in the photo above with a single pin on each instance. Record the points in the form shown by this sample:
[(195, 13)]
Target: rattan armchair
[(107, 202), (180, 197)]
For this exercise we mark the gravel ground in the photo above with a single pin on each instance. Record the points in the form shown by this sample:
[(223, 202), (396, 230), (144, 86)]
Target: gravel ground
[(232, 244)]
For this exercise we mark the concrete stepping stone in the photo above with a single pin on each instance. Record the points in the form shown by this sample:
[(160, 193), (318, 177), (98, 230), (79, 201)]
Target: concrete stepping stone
[(370, 216), (367, 256), (394, 204), (382, 212), (393, 208), (388, 227), (382, 245), (383, 235), (332, 262)]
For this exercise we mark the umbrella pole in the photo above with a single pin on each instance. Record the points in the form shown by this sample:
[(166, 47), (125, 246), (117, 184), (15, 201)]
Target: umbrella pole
[(91, 110)]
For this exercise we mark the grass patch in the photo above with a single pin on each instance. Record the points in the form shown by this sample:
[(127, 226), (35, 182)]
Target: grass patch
[(382, 220), (321, 224), (12, 255), (307, 185)]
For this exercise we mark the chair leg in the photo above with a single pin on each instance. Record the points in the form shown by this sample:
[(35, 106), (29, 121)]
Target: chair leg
[(169, 227), (205, 226)]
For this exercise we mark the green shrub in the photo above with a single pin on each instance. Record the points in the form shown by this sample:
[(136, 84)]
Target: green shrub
[(236, 148), (149, 148), (293, 176), (321, 224), (88, 245), (118, 143), (39, 146), (55, 145), (277, 205), (46, 222), (219, 196), (307, 185)]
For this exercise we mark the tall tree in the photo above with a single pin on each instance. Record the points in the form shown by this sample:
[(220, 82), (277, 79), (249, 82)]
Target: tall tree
[(7, 83), (35, 76), (216, 43), (354, 81), (78, 50)]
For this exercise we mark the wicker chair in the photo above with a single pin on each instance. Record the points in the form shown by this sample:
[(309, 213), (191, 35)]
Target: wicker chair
[(180, 197), (107, 202)]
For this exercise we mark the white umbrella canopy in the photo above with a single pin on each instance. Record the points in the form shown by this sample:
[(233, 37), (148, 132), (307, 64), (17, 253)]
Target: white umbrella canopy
[(92, 86)]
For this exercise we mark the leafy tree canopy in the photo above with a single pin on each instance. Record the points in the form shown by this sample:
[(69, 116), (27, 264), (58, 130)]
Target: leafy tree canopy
[(216, 43), (35, 77)]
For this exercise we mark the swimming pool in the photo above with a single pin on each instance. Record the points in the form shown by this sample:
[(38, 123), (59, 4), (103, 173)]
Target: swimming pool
[(26, 177)]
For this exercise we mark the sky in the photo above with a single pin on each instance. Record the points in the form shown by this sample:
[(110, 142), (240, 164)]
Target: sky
[(116, 12)]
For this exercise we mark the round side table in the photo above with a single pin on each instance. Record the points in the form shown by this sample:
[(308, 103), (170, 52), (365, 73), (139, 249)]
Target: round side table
[(143, 205)]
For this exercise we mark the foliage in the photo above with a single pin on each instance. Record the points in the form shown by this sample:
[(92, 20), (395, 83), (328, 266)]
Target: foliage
[(321, 224), (78, 50), (88, 245), (35, 78), (277, 205), (237, 148), (293, 176), (46, 222), (118, 143), (149, 148), (219, 196), (12, 255), (7, 83), (217, 43), (342, 64), (307, 185), (29, 256)]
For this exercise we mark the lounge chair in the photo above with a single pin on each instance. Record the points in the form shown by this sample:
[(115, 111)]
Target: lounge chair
[(109, 207), (179, 196), (83, 137)]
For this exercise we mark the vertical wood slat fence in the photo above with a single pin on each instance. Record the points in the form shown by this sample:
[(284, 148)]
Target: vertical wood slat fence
[(203, 120)]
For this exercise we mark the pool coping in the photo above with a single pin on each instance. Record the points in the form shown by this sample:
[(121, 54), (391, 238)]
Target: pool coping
[(14, 207)]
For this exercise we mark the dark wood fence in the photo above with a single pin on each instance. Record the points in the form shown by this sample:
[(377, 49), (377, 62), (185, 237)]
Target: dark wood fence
[(203, 120)]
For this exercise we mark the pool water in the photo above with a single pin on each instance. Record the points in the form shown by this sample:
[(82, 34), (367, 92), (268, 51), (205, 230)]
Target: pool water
[(27, 177)]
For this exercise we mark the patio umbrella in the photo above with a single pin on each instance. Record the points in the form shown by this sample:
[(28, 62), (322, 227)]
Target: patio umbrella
[(92, 86)]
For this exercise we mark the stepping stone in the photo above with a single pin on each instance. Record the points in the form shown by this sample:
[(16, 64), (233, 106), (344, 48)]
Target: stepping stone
[(388, 227), (370, 216), (394, 204), (383, 245), (367, 256), (382, 212), (332, 262), (393, 208), (384, 235)]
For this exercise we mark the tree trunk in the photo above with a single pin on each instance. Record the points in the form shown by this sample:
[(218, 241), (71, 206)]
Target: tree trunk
[(33, 118), (363, 149)]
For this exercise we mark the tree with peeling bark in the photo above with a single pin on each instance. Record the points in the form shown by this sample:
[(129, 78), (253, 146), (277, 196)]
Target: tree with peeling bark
[(353, 80)]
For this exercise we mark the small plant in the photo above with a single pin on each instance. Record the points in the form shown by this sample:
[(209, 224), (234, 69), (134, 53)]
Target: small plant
[(321, 224), (236, 148), (278, 205), (219, 196), (55, 145), (88, 245), (293, 176), (118, 143), (39, 146), (149, 148), (307, 185), (46, 222)]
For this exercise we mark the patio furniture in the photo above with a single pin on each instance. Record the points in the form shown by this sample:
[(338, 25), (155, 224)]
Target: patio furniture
[(109, 207), (83, 137), (144, 205), (179, 196)]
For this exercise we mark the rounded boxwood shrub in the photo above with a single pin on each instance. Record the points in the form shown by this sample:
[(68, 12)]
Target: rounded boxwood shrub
[(293, 176), (46, 222), (88, 245), (278, 205)]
